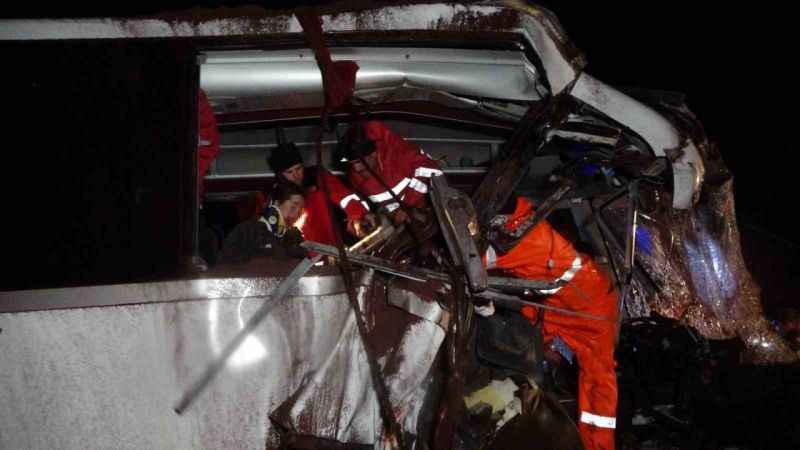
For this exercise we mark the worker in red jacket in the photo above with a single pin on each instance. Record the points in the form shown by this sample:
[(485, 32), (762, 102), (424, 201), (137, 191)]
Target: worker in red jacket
[(387, 168), (207, 150), (316, 226), (207, 140), (544, 254)]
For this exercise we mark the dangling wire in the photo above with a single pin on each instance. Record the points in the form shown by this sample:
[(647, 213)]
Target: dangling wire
[(312, 26)]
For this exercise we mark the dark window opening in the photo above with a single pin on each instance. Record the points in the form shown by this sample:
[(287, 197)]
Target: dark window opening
[(97, 186)]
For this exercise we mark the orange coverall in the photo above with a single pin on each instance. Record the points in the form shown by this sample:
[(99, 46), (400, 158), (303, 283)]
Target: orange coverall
[(544, 254)]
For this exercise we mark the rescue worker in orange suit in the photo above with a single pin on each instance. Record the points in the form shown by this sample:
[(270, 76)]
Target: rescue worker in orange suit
[(317, 226), (544, 254), (381, 161)]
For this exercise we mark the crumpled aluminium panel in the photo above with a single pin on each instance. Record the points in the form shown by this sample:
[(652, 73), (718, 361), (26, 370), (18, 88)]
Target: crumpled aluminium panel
[(337, 401), (108, 377), (694, 272)]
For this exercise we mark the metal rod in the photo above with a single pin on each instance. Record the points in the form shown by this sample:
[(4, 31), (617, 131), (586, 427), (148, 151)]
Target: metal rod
[(520, 283), (311, 24), (215, 367), (416, 274), (630, 242), (541, 213), (506, 301), (421, 274)]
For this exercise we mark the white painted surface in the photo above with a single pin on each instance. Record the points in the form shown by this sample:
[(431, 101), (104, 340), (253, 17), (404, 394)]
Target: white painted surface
[(654, 128), (109, 377)]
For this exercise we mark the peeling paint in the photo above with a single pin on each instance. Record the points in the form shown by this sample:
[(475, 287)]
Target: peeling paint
[(255, 20), (477, 20)]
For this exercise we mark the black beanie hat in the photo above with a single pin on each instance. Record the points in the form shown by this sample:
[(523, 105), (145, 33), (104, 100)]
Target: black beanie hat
[(355, 144), (283, 157)]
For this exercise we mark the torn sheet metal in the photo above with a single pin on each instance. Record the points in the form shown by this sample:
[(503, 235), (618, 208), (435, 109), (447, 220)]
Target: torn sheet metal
[(458, 223), (562, 61), (693, 271), (587, 129), (689, 262), (419, 299), (337, 402), (662, 136)]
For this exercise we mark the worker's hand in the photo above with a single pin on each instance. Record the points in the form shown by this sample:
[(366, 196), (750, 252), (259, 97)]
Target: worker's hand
[(485, 310), (399, 216), (354, 227), (372, 220), (361, 227)]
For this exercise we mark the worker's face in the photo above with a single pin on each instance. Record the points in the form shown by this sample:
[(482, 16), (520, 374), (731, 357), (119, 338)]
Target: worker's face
[(292, 209), (360, 167), (294, 174)]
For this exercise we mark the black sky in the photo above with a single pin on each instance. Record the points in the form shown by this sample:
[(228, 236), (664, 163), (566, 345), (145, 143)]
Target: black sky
[(735, 66)]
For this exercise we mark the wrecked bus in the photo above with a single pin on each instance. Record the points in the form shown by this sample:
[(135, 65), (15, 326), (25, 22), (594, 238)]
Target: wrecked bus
[(108, 322)]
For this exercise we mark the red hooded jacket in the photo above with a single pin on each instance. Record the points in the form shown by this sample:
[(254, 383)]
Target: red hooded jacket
[(402, 166), (207, 140)]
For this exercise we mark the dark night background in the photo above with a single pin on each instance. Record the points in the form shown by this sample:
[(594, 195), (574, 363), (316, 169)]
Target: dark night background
[(733, 63)]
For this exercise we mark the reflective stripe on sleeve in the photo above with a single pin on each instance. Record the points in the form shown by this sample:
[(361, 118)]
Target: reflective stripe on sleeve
[(599, 421)]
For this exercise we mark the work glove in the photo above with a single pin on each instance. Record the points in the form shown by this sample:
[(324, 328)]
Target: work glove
[(485, 310), (292, 236)]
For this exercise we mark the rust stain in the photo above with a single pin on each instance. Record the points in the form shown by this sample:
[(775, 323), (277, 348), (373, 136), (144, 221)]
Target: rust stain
[(471, 20), (252, 19)]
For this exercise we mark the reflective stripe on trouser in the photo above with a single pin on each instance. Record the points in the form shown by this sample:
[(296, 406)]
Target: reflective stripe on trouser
[(593, 343), (597, 380), (490, 261), (567, 276)]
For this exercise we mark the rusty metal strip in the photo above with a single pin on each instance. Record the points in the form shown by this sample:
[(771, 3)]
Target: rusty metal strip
[(454, 211), (515, 303), (411, 302), (504, 240), (499, 183), (452, 404), (521, 284), (421, 274), (312, 26)]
